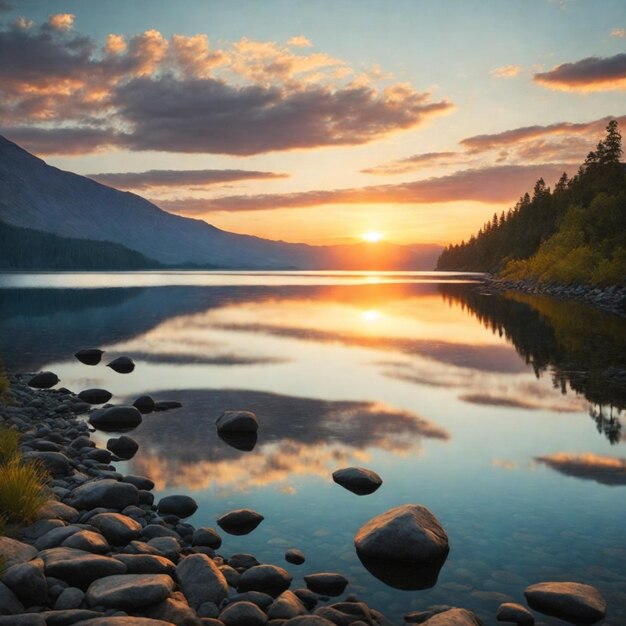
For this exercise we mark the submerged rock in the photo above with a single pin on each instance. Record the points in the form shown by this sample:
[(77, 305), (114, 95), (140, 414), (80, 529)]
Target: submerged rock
[(179, 505), (326, 584), (515, 613), (123, 447), (573, 602), (237, 422), (122, 365), (166, 405), (95, 396), (294, 556), (90, 356), (269, 579), (43, 380), (240, 521), (145, 404), (358, 480), (115, 418)]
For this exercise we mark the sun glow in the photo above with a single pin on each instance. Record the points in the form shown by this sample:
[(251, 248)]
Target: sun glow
[(372, 236)]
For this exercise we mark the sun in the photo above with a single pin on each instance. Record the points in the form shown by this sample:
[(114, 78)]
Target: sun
[(372, 236)]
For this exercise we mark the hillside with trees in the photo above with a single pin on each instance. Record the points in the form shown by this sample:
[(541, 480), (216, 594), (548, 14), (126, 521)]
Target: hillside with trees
[(575, 233)]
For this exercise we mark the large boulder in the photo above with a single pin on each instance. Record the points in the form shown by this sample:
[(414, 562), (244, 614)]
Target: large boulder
[(43, 380), (107, 493), (79, 568), (201, 581), (90, 356), (129, 591), (118, 529), (95, 396), (573, 602), (269, 579), (237, 422), (115, 418), (122, 365), (358, 480), (179, 505), (240, 521)]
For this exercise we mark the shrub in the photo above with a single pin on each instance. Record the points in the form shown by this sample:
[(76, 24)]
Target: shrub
[(9, 444), (23, 490)]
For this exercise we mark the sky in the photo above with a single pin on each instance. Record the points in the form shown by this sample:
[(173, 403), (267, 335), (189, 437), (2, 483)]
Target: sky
[(316, 121)]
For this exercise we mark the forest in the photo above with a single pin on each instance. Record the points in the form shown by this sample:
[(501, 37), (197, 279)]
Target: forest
[(573, 234)]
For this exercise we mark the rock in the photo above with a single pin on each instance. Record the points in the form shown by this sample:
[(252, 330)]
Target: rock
[(269, 579), (9, 603), (129, 591), (514, 613), (240, 521), (358, 480), (294, 556), (88, 541), (237, 422), (206, 537), (179, 505), (243, 614), (118, 529), (166, 546), (90, 356), (145, 404), (14, 551), (201, 581), (123, 447), (55, 537), (286, 606), (115, 418), (70, 598), (573, 602), (262, 600), (57, 510), (66, 617), (453, 617), (307, 597), (43, 380), (123, 620), (54, 462), (79, 568), (354, 611), (245, 442), (326, 584), (147, 564), (154, 530), (242, 561), (141, 482), (122, 365), (106, 493), (409, 533), (27, 582), (166, 405), (95, 396), (175, 611), (308, 620), (25, 619)]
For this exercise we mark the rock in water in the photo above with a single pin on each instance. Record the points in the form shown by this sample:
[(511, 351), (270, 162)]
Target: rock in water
[(91, 356), (295, 556), (123, 447), (115, 418), (237, 422), (122, 365), (358, 480), (240, 521), (166, 405), (179, 505), (515, 613), (240, 441), (453, 617), (95, 396), (573, 602), (43, 380), (326, 584), (145, 404), (269, 579), (201, 581)]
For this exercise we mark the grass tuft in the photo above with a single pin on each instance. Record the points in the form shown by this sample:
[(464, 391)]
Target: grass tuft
[(9, 444), (23, 490)]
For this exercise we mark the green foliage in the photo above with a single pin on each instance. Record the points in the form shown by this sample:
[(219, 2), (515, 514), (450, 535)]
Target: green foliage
[(27, 249), (575, 234), (9, 444), (23, 490)]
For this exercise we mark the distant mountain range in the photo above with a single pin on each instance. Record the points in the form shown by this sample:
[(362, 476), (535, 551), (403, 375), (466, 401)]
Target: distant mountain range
[(37, 196)]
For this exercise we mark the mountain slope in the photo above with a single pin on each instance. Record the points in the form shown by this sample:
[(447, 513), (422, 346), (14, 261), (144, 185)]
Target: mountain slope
[(38, 196)]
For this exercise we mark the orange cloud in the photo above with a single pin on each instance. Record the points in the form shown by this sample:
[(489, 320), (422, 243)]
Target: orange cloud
[(299, 42), (618, 32), (589, 74), (115, 44), (62, 21), (194, 56), (506, 71), (602, 469), (413, 163)]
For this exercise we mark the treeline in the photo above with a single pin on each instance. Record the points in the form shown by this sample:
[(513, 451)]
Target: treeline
[(27, 249), (573, 233)]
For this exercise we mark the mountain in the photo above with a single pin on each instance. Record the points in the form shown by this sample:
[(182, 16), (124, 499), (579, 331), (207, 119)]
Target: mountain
[(38, 196)]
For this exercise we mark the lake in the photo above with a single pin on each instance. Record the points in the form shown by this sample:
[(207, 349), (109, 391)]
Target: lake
[(501, 414)]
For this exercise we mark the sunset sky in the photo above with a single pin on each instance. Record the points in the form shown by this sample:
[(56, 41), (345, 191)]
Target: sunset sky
[(315, 120)]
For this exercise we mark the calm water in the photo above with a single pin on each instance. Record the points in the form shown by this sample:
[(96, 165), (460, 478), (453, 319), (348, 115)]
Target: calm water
[(501, 414)]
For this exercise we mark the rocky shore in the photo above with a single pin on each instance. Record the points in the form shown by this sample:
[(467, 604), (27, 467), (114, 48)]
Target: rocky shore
[(104, 553), (611, 299)]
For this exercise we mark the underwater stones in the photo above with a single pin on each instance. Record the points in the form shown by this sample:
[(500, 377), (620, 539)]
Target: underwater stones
[(43, 380), (90, 356), (295, 556), (179, 505), (123, 447), (326, 583), (145, 404), (122, 365), (237, 422), (573, 602), (240, 521), (95, 396), (358, 480), (115, 418), (515, 613)]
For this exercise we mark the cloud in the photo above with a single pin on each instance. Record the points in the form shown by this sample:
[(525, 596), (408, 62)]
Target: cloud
[(180, 94), (178, 178), (66, 141), (618, 32), (412, 163), (506, 71), (495, 184), (487, 399), (590, 74), (602, 469), (300, 42)]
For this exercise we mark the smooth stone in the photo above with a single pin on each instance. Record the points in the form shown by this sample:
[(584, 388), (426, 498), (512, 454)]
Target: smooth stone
[(122, 365), (262, 600), (54, 462), (9, 602), (79, 568), (179, 505), (231, 575), (242, 561), (40, 528), (154, 530), (243, 614), (65, 617), (145, 404), (573, 602), (123, 620), (129, 591), (206, 537), (58, 510), (201, 581), (401, 574), (115, 418), (286, 606), (141, 482), (245, 442), (123, 447), (409, 533), (326, 583), (358, 480), (56, 537), (308, 620), (238, 422), (453, 617), (95, 396), (70, 598), (118, 529), (240, 521), (167, 405), (354, 611), (514, 613), (269, 579), (43, 380), (147, 564), (108, 493), (25, 619), (307, 597), (14, 551), (90, 356), (167, 546), (294, 556), (174, 610), (27, 582), (88, 541)]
